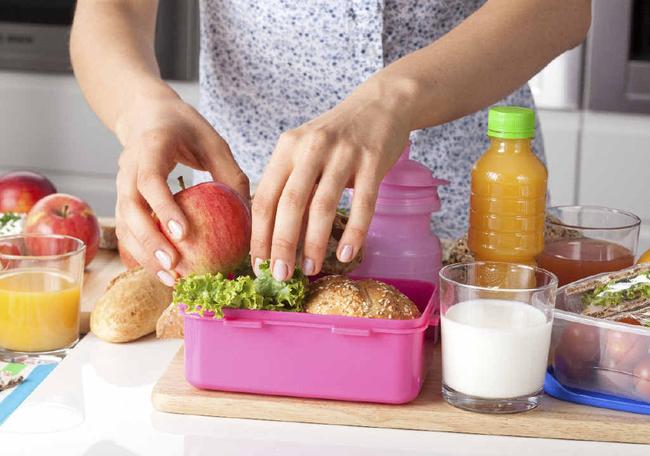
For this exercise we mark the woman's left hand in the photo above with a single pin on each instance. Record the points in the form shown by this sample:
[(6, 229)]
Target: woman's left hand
[(353, 145)]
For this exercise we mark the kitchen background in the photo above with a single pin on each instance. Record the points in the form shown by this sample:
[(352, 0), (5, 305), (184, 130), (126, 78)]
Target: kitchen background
[(594, 104)]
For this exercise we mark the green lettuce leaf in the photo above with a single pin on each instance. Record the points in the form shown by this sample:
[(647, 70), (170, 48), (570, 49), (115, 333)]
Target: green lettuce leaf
[(286, 295), (213, 292)]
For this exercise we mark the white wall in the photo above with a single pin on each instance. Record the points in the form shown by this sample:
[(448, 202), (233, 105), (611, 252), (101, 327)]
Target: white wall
[(45, 125)]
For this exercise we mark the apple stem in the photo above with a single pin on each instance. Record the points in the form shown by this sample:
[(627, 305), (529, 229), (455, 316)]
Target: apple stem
[(181, 182), (64, 211)]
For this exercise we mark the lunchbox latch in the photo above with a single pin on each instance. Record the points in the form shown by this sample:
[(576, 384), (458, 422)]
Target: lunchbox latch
[(241, 323), (351, 331)]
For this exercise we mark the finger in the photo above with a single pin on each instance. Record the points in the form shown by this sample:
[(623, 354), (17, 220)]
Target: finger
[(289, 217), (152, 185), (366, 186), (322, 211), (263, 210), (220, 163), (152, 248), (133, 247), (154, 251)]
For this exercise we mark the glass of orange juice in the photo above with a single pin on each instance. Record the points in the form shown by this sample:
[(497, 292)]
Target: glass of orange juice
[(40, 287), (582, 241)]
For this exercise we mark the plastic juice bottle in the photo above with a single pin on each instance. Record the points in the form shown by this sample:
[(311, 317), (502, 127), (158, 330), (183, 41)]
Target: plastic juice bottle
[(508, 191)]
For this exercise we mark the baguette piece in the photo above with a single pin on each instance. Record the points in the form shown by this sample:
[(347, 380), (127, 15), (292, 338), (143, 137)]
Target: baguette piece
[(339, 295), (130, 307)]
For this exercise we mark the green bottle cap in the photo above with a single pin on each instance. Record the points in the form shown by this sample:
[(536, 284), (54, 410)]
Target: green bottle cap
[(511, 122)]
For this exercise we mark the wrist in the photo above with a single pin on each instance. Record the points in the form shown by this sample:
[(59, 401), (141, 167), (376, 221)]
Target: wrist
[(398, 94), (143, 97)]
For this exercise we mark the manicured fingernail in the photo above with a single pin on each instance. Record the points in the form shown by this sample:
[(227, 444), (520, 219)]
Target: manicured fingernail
[(308, 266), (346, 253), (280, 270), (166, 278), (164, 259), (175, 230), (256, 266)]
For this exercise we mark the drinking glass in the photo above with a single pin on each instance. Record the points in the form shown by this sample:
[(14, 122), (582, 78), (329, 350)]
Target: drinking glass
[(496, 331), (582, 241), (40, 286)]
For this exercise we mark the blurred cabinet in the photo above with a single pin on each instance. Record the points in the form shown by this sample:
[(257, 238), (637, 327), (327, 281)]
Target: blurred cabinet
[(601, 159), (561, 132)]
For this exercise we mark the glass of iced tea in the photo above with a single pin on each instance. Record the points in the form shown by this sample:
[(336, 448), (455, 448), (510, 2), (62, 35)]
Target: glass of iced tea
[(582, 241), (40, 287)]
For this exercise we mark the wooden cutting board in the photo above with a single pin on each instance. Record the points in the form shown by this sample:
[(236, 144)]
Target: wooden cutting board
[(101, 270), (553, 419)]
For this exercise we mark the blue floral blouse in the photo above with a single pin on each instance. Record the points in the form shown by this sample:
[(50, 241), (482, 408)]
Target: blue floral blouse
[(267, 66)]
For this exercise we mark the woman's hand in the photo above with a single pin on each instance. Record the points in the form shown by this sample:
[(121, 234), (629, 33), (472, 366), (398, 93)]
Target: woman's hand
[(157, 134), (353, 145)]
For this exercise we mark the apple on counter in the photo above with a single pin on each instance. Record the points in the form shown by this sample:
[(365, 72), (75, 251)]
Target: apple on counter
[(65, 214), (20, 190)]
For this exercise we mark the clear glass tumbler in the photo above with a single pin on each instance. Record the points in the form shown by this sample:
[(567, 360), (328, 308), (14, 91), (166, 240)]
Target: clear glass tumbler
[(496, 331), (582, 241), (40, 286)]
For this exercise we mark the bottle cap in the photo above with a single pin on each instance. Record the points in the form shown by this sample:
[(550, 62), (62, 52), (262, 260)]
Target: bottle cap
[(511, 122)]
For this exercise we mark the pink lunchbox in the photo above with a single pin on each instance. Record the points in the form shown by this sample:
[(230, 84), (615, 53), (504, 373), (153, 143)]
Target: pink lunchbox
[(316, 356)]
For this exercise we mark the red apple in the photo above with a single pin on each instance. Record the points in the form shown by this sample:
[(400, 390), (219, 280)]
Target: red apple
[(65, 214), (7, 248), (20, 190), (219, 229)]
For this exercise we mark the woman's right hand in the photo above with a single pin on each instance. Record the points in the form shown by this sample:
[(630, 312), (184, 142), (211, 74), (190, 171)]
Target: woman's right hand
[(158, 133)]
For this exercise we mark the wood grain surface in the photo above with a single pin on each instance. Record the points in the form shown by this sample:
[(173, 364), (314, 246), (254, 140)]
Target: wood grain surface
[(99, 273), (553, 419)]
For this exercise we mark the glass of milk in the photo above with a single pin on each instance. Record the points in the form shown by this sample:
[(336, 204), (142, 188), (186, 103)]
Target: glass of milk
[(496, 333)]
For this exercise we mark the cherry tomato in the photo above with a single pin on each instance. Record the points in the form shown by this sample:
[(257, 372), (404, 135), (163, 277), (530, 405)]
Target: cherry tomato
[(576, 353), (623, 350), (614, 382), (579, 343), (642, 378)]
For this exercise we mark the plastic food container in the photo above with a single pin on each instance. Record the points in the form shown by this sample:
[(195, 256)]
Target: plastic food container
[(597, 355), (315, 356)]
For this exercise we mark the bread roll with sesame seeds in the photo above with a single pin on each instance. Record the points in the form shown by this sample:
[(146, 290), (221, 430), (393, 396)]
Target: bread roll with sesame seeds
[(339, 295)]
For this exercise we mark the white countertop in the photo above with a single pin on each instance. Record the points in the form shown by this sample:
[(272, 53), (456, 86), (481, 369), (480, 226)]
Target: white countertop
[(97, 403)]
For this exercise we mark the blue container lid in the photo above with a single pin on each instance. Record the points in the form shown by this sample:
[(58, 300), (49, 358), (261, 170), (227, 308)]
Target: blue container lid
[(553, 388)]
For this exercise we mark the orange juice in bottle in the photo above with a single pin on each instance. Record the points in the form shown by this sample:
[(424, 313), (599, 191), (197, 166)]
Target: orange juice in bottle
[(508, 191)]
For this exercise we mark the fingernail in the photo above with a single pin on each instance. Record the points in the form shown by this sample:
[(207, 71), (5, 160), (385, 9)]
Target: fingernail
[(166, 278), (164, 259), (280, 270), (175, 230), (256, 266), (308, 266), (346, 253)]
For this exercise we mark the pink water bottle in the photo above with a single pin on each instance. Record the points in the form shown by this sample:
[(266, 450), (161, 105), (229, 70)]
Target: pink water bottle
[(400, 243)]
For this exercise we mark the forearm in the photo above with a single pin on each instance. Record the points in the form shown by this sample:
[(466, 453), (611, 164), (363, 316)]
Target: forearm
[(489, 55), (112, 52)]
